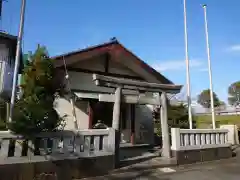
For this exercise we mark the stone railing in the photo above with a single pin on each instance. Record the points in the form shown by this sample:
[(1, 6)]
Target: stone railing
[(194, 139), (57, 145), (199, 145), (233, 136)]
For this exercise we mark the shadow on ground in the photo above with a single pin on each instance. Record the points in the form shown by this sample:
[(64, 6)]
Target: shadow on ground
[(133, 175), (141, 159)]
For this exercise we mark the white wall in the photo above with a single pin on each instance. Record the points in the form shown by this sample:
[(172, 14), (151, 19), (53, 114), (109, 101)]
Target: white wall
[(64, 108)]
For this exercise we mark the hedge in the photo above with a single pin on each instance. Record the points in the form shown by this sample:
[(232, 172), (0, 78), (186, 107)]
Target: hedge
[(206, 120)]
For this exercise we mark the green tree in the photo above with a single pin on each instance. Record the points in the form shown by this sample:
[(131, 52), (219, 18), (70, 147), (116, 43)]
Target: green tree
[(177, 117), (205, 101), (34, 112), (234, 94)]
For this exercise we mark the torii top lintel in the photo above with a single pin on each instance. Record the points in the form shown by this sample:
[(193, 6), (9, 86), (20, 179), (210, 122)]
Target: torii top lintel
[(108, 81)]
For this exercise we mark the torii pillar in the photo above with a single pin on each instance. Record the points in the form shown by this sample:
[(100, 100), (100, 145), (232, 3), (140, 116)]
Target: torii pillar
[(166, 151), (116, 122)]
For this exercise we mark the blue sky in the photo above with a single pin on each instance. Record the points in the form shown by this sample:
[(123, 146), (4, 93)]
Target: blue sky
[(152, 29)]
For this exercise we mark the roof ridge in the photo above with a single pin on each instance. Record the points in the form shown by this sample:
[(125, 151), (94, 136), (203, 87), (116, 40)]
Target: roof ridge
[(116, 43), (112, 41)]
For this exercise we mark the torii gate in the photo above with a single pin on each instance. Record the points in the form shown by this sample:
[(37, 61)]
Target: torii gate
[(141, 86)]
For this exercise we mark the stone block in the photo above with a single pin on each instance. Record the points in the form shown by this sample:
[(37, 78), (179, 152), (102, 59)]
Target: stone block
[(193, 156), (9, 172), (224, 152), (59, 170), (209, 154), (187, 157), (233, 136)]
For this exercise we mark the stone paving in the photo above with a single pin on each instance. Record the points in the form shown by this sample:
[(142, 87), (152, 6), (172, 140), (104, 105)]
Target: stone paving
[(228, 169)]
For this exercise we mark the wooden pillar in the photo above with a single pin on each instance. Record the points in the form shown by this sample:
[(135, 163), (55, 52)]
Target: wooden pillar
[(116, 123), (164, 125), (90, 115), (132, 111)]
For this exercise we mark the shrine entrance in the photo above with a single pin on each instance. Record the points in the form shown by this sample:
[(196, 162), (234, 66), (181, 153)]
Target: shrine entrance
[(160, 98), (102, 111)]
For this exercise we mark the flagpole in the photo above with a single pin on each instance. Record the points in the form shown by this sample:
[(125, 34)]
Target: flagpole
[(209, 66), (17, 58), (187, 67)]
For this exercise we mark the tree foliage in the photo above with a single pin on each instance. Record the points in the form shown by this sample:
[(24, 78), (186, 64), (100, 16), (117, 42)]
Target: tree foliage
[(205, 101), (177, 116), (222, 106), (234, 94), (34, 112)]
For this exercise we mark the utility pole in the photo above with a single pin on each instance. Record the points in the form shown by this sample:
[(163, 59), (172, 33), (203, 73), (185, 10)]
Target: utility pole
[(237, 102), (209, 66), (17, 58), (187, 67)]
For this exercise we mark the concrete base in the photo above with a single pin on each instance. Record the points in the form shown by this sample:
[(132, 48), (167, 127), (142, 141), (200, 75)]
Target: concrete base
[(193, 156), (58, 170)]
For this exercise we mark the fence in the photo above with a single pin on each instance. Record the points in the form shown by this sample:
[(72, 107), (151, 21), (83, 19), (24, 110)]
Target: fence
[(56, 145), (194, 139)]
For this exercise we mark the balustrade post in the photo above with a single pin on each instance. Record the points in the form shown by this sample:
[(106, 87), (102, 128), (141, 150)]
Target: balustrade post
[(175, 134)]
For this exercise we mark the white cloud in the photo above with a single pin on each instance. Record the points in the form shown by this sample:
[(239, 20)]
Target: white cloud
[(234, 48), (177, 65)]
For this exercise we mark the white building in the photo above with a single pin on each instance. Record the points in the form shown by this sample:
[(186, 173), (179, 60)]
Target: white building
[(110, 59)]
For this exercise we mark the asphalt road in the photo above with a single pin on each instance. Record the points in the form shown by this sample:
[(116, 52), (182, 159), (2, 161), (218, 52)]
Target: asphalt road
[(218, 170)]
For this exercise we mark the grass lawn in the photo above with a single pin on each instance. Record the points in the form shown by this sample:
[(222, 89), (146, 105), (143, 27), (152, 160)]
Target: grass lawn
[(204, 121)]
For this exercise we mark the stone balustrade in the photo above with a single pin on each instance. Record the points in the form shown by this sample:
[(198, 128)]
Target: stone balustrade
[(57, 145), (193, 145), (191, 139)]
